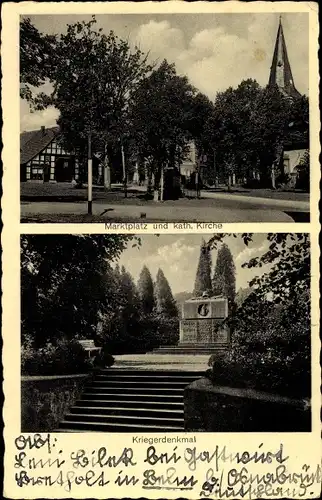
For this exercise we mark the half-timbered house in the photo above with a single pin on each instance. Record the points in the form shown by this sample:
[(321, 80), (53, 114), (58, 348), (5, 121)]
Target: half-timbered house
[(42, 158)]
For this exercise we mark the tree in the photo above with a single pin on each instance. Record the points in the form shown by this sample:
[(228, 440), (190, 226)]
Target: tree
[(288, 253), (66, 284), (128, 330), (303, 169), (161, 110), (165, 303), (37, 57), (93, 77), (270, 127), (129, 296), (248, 128), (229, 130), (224, 280), (146, 291), (271, 345), (201, 110), (242, 295), (203, 276), (299, 121)]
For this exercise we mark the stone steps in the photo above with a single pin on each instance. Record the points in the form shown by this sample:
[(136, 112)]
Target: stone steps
[(125, 403), (86, 426), (121, 400), (188, 349)]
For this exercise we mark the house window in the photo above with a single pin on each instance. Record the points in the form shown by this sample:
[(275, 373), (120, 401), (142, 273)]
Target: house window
[(47, 159), (36, 173)]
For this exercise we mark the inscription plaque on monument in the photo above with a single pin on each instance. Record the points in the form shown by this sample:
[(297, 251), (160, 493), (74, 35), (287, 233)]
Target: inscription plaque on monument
[(205, 329), (188, 330)]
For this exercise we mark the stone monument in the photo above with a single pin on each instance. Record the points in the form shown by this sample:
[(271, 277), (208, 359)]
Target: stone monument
[(203, 322)]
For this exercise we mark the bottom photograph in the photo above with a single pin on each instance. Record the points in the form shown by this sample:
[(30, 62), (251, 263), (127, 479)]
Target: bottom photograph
[(166, 333)]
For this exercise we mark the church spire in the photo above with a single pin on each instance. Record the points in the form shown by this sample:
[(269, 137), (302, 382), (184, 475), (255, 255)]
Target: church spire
[(281, 73)]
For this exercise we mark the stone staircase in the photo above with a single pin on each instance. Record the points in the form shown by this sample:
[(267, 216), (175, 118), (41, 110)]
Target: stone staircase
[(124, 400), (190, 349)]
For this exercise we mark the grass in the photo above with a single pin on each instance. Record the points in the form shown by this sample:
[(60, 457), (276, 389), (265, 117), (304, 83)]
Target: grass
[(30, 191), (63, 219)]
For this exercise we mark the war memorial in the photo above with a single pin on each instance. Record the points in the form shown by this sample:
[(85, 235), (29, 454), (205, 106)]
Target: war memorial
[(203, 322)]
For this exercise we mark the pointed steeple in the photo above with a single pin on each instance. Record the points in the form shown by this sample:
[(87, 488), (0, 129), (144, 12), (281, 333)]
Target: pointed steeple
[(281, 73)]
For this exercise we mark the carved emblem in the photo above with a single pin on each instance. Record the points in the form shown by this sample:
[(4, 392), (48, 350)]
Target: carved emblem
[(203, 310)]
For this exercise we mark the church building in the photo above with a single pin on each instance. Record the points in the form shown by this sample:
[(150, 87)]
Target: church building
[(281, 75)]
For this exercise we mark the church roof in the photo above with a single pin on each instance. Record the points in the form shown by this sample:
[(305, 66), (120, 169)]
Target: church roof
[(281, 73), (34, 141)]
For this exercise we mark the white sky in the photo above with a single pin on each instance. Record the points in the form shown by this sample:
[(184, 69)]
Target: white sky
[(214, 50), (178, 255)]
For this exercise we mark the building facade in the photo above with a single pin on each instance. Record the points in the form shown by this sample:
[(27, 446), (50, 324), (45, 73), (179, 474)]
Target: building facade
[(42, 158)]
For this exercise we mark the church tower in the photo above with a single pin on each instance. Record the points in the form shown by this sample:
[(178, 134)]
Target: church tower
[(281, 73)]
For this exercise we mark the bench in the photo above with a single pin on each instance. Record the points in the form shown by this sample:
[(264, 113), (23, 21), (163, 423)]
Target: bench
[(90, 347)]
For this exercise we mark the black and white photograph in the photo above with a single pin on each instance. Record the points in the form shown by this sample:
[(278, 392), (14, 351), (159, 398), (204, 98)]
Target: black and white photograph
[(160, 262), (164, 117), (166, 333)]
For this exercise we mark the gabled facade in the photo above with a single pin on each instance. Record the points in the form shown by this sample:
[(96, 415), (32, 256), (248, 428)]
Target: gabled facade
[(42, 159)]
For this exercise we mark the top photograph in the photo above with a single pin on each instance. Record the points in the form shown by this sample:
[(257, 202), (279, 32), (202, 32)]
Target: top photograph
[(164, 118)]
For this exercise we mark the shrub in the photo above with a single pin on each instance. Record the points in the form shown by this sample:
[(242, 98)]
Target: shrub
[(271, 346), (303, 169), (168, 331), (143, 335), (104, 359), (283, 181), (268, 371), (269, 352), (63, 358)]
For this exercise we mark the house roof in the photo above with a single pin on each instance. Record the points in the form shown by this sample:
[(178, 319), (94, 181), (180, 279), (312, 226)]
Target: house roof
[(34, 141)]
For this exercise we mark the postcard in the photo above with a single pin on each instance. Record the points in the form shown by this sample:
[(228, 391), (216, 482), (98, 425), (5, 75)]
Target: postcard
[(160, 250)]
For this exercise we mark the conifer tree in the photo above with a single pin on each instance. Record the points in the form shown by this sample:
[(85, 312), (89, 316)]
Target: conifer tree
[(146, 291), (129, 294), (203, 276), (224, 280), (165, 302)]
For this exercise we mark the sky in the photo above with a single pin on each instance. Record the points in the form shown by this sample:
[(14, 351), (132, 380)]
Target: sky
[(178, 255), (215, 51)]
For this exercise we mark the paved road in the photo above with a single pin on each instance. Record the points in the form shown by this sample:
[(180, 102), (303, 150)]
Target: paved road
[(228, 210), (251, 201)]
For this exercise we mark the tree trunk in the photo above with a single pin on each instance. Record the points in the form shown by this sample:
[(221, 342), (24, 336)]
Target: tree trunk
[(157, 179), (277, 163), (150, 181), (273, 177), (107, 176), (162, 183), (124, 172), (106, 170)]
